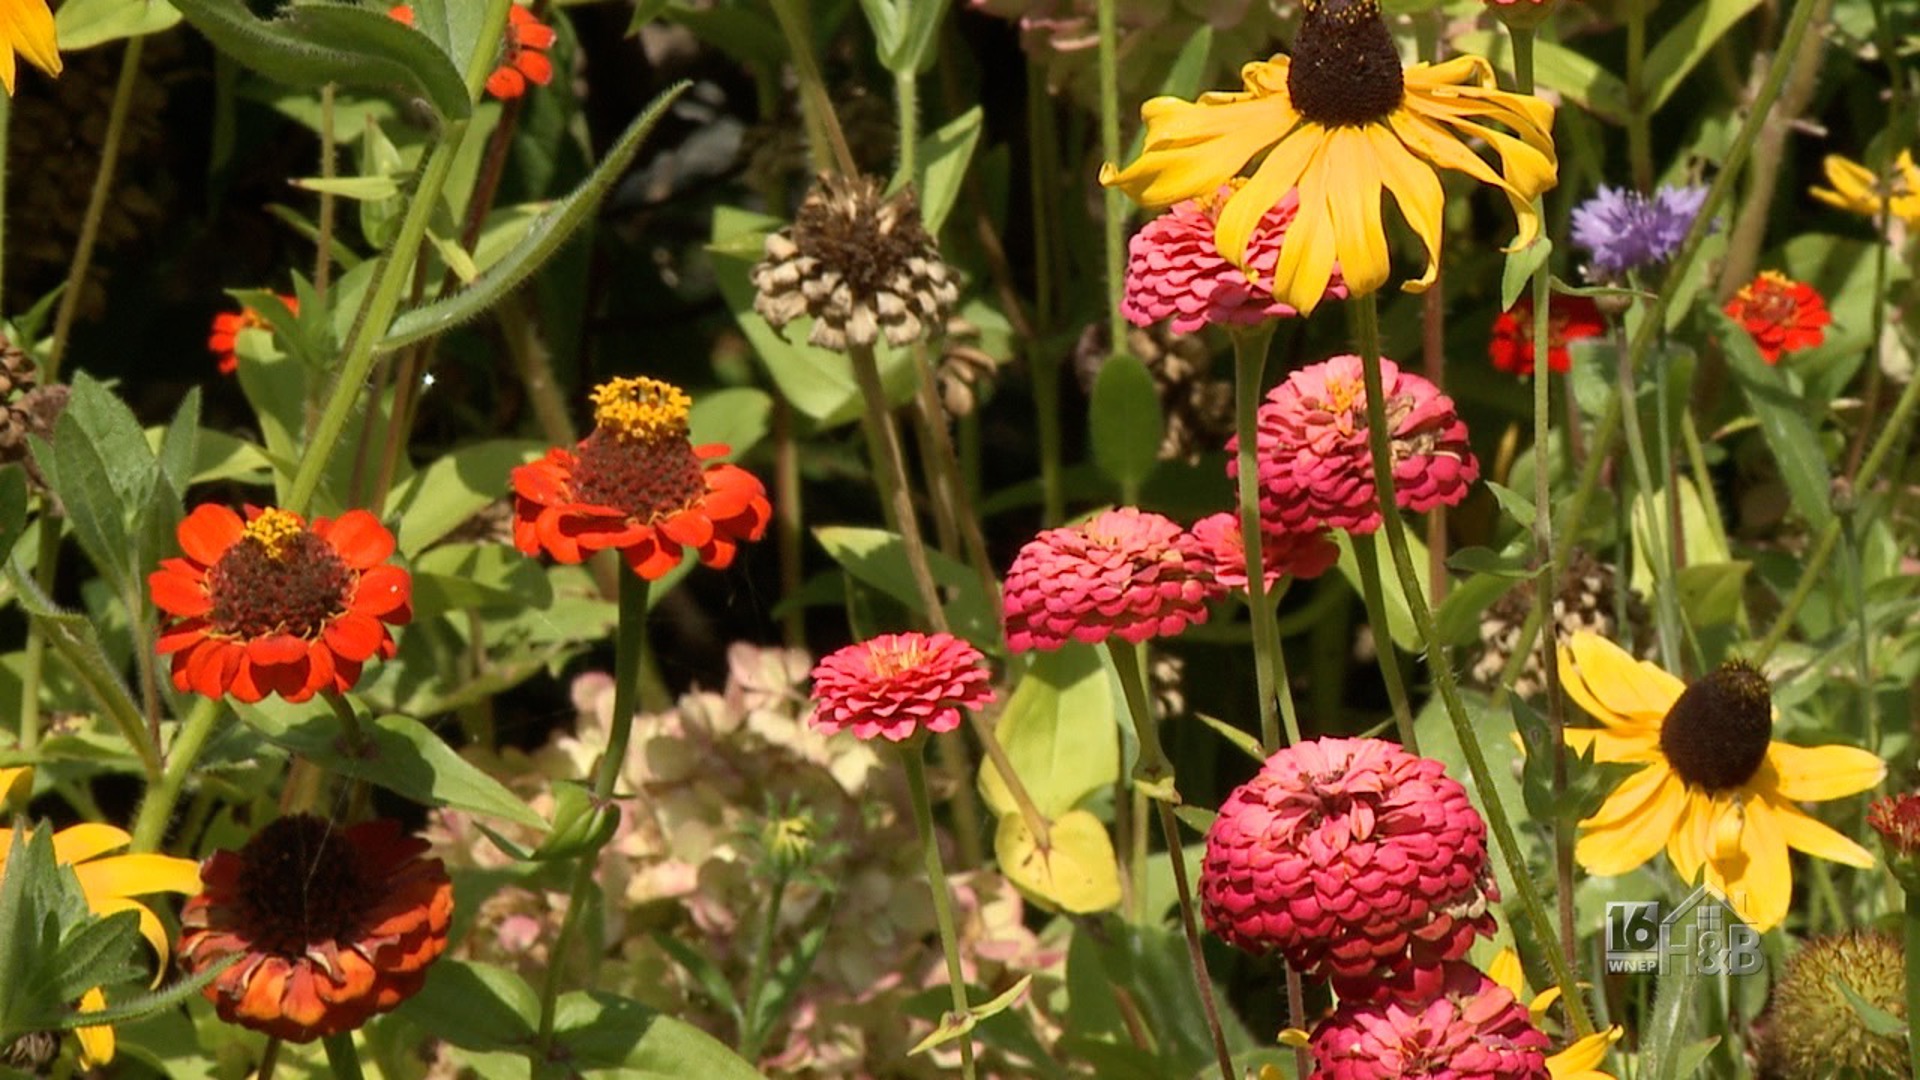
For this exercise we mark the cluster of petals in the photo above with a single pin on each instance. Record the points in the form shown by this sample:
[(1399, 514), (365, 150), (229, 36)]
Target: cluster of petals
[(523, 54), (1315, 466), (1125, 573), (269, 604), (1294, 554), (898, 685), (331, 925), (1354, 859), (1461, 1025), (226, 332), (1857, 188), (1175, 270), (1569, 319), (637, 485), (1781, 314)]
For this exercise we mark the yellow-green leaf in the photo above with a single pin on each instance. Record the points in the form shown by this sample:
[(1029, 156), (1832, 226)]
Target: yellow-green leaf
[(1077, 871)]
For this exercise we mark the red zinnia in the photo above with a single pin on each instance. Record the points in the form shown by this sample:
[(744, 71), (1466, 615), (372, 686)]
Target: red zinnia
[(1299, 554), (1175, 271), (1569, 319), (523, 55), (331, 925), (897, 685), (270, 605), (226, 332), (1125, 573), (1783, 315), (637, 485), (1461, 1025)]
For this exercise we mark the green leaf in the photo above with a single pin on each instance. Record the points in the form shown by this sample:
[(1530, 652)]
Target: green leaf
[(706, 974), (1710, 593), (437, 499), (604, 1031), (1458, 620), (644, 12), (879, 559), (1783, 417), (374, 188), (96, 954), (1124, 422), (1558, 68), (1076, 871), (476, 1006), (1687, 44), (403, 757), (77, 641), (1877, 1020), (737, 417), (1479, 560), (1183, 77), (940, 166), (82, 24), (310, 45), (1059, 732), (1519, 270), (13, 507), (1242, 740), (152, 1003), (1517, 506), (542, 240), (952, 1027), (177, 449), (1399, 615)]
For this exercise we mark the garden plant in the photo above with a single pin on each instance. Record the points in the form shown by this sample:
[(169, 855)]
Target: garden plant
[(872, 539)]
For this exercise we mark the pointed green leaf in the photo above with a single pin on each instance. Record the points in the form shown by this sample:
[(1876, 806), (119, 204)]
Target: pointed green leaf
[(940, 166), (82, 24), (604, 1031), (475, 1006), (311, 45), (542, 240), (878, 558), (1124, 422), (1687, 44), (1783, 416)]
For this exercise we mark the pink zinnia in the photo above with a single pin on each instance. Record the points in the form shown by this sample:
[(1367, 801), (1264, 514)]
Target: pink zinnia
[(1351, 857), (1301, 554), (1315, 467), (1174, 270), (1126, 572), (897, 685), (1464, 1027)]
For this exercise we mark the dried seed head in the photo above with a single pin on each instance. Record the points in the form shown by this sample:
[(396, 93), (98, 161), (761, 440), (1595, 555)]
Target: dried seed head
[(860, 265)]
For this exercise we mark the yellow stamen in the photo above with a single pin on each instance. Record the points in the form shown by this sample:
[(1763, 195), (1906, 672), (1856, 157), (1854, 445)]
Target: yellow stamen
[(642, 409), (886, 663), (275, 530)]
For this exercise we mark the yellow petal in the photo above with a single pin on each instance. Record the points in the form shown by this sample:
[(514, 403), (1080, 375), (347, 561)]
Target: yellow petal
[(1505, 970), (1584, 1055), (1192, 147), (96, 1043), (1802, 831), (1633, 824), (1819, 773), (1750, 864), (1416, 190), (81, 842), (1353, 206), (1276, 176), (27, 26), (138, 875), (1624, 687), (15, 782), (1621, 744), (1305, 265)]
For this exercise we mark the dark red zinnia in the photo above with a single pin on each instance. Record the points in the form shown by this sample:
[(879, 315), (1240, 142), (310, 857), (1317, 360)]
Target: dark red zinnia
[(1569, 319), (226, 332)]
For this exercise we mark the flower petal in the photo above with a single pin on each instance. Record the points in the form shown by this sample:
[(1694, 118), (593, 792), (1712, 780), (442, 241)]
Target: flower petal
[(1353, 208), (1416, 190), (1756, 877), (1621, 686), (1192, 147), (360, 539), (1819, 773), (1815, 838), (87, 840), (1633, 824), (208, 532)]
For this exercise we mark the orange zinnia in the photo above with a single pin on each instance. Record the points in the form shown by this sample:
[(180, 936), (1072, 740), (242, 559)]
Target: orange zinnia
[(523, 55), (331, 925), (272, 605), (226, 332), (638, 485)]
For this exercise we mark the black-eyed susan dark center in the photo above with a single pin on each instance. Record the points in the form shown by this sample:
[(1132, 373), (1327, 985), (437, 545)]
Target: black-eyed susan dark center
[(300, 885), (1345, 71), (638, 459), (1716, 735), (278, 578), (868, 241)]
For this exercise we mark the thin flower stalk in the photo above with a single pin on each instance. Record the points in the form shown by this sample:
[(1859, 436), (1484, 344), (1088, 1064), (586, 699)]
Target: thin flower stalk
[(1115, 235), (942, 904), (1157, 771), (1367, 333), (1250, 362)]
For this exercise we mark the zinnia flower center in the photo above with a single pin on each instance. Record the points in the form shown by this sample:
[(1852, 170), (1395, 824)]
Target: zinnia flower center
[(641, 409), (278, 578), (1769, 300), (1716, 735), (638, 459), (886, 663), (298, 887), (1345, 71)]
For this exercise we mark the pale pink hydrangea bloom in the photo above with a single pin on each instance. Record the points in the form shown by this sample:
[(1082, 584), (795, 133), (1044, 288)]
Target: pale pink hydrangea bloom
[(1316, 470), (1126, 573), (898, 685), (1175, 272), (1352, 858), (1464, 1026), (1300, 554)]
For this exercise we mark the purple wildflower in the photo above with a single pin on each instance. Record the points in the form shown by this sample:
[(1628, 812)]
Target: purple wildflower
[(1626, 230)]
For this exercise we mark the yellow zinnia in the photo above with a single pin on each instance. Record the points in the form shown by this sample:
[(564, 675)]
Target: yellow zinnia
[(110, 882), (1856, 188), (26, 28), (1339, 120), (1715, 790), (1581, 1059)]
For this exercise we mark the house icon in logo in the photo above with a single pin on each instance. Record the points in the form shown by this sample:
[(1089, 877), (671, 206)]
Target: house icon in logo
[(1641, 936)]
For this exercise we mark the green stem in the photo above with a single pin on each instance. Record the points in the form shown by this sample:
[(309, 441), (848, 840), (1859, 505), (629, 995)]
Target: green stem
[(323, 255), (1249, 367), (156, 807), (342, 1056), (1666, 595), (1639, 117), (1133, 682), (96, 210), (824, 134), (1115, 201), (1366, 555), (751, 1034), (906, 103), (1440, 662), (1912, 927), (942, 905), (47, 557)]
